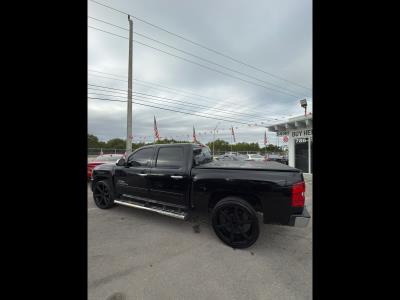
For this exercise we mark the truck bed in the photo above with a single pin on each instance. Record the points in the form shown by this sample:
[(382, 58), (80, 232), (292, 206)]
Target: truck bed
[(248, 165)]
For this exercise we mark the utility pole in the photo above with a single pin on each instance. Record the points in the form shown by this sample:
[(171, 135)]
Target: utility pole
[(214, 142), (278, 143), (214, 137), (129, 108)]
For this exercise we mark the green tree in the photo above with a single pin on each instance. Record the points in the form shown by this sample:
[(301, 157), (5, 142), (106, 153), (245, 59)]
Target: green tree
[(272, 148), (93, 141), (219, 145), (169, 141), (116, 144)]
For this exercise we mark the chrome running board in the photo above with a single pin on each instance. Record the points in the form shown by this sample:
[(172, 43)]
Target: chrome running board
[(167, 212)]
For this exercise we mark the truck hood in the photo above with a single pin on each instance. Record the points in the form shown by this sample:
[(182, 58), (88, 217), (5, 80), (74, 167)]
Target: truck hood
[(105, 166)]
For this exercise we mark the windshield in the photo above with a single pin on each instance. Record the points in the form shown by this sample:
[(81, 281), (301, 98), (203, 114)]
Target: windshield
[(202, 155), (108, 158)]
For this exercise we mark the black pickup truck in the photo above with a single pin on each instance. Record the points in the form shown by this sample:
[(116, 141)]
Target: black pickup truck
[(175, 179)]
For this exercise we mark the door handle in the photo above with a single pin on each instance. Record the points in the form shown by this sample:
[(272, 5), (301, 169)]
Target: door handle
[(176, 176), (142, 174)]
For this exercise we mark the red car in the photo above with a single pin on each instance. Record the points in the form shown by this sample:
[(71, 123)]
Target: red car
[(102, 159)]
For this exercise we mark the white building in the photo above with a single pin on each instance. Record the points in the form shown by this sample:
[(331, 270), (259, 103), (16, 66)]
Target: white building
[(299, 132)]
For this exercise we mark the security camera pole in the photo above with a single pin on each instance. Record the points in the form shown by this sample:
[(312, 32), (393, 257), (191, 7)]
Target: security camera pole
[(303, 103), (129, 114)]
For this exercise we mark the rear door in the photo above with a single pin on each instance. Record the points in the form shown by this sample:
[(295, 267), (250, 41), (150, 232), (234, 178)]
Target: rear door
[(132, 178), (168, 179)]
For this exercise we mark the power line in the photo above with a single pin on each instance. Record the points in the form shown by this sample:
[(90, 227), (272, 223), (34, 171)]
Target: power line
[(195, 113), (120, 11), (124, 28), (91, 70), (124, 91), (109, 77), (205, 47), (190, 104), (162, 100), (181, 92), (198, 57), (198, 64), (147, 99), (174, 100), (163, 86), (219, 119), (109, 32), (156, 102)]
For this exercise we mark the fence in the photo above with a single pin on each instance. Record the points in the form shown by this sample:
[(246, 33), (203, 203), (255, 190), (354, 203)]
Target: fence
[(93, 152), (97, 151), (248, 152)]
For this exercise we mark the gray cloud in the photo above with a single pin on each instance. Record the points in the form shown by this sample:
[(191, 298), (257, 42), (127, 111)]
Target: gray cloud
[(275, 36)]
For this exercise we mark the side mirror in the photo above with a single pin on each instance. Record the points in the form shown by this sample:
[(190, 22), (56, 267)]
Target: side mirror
[(121, 162)]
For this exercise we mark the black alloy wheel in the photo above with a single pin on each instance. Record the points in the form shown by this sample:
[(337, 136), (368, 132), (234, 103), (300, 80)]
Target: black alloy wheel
[(235, 222), (103, 195)]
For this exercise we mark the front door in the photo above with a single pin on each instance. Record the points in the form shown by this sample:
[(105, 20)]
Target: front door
[(301, 154), (132, 178), (168, 179)]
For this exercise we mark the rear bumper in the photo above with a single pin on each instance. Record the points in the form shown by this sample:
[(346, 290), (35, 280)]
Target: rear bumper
[(300, 220)]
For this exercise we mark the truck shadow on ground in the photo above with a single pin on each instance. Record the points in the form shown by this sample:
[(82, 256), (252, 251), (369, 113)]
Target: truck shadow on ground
[(272, 237)]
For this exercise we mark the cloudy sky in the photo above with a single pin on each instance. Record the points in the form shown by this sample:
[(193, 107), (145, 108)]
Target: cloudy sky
[(272, 35)]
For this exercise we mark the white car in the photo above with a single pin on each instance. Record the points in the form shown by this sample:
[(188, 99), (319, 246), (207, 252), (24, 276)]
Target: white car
[(256, 157)]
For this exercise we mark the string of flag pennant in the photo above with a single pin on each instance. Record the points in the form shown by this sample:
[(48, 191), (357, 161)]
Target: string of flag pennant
[(197, 135), (206, 133)]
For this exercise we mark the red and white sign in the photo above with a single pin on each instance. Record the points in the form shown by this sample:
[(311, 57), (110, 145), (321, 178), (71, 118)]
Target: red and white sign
[(285, 139)]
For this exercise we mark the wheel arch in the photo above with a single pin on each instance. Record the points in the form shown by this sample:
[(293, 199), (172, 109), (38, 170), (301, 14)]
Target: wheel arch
[(251, 198), (103, 177)]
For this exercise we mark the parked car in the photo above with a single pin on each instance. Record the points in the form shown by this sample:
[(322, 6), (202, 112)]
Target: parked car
[(231, 157), (256, 157), (102, 159), (231, 153), (278, 158), (175, 179)]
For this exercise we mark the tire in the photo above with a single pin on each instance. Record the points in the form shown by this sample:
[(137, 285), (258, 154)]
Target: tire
[(235, 222), (103, 194)]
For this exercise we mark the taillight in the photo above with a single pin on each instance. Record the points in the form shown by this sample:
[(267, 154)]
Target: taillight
[(298, 190)]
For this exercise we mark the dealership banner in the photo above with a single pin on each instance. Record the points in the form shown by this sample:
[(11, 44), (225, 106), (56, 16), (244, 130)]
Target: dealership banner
[(299, 133)]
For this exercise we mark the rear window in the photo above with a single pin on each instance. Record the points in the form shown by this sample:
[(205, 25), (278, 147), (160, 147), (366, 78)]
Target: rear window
[(170, 157)]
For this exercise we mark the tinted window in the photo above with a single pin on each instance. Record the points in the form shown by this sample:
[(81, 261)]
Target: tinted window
[(141, 158), (170, 157)]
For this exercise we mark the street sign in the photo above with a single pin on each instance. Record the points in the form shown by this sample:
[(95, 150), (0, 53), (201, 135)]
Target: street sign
[(281, 133)]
